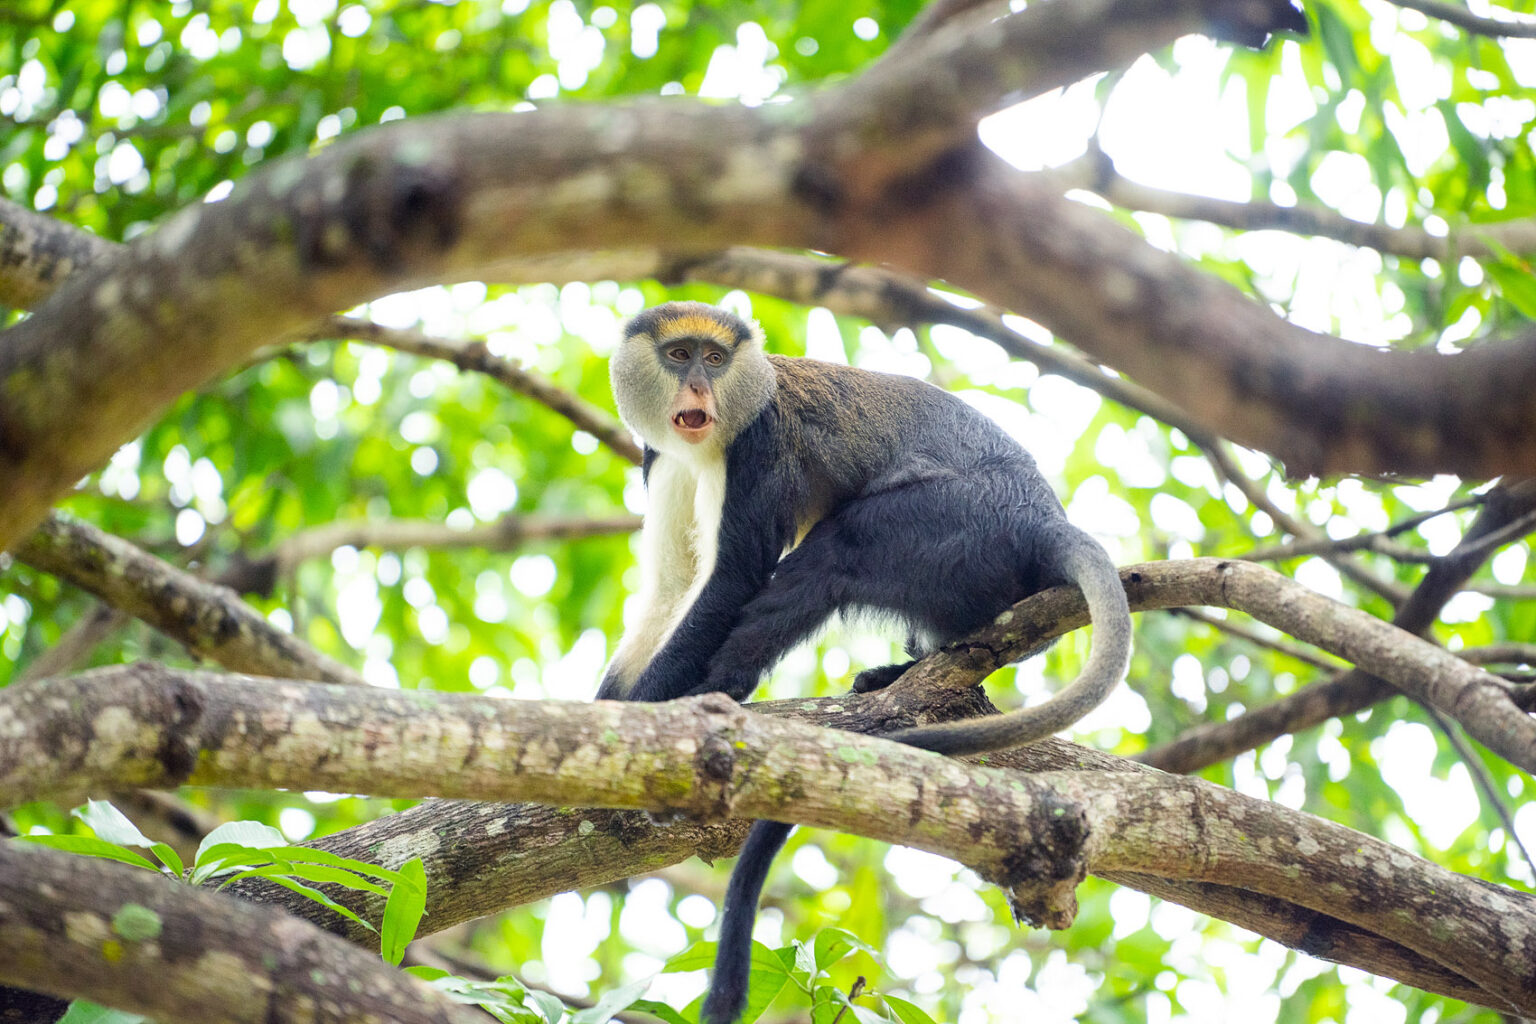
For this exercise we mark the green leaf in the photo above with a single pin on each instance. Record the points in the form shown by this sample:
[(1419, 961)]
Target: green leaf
[(309, 873), (660, 1011), (1516, 285), (320, 898), (832, 944), (698, 957), (768, 979), (90, 846), (169, 857), (111, 824), (549, 1004), (225, 858), (826, 1003), (804, 961), (907, 1013), (611, 1002), (251, 834), (82, 1011), (402, 911), (307, 855)]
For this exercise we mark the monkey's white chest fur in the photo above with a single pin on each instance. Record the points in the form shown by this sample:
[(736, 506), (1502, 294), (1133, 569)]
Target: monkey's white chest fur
[(679, 541)]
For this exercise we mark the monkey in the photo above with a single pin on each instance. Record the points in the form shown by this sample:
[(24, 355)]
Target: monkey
[(783, 490)]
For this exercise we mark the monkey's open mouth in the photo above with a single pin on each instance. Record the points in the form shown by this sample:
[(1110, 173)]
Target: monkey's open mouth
[(691, 419)]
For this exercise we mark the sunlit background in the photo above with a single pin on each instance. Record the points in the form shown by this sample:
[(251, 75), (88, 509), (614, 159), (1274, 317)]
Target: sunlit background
[(343, 431)]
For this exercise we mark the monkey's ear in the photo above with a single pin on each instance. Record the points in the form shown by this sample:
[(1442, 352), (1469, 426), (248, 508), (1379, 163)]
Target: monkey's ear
[(1251, 24)]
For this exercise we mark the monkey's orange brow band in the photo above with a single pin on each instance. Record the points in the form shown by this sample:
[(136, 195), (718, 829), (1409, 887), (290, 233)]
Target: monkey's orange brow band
[(700, 326)]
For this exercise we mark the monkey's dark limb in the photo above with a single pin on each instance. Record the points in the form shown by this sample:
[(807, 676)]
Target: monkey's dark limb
[(733, 958), (879, 678)]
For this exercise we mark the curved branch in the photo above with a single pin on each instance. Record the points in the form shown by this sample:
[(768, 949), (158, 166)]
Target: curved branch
[(209, 620), (38, 253), (884, 167), (480, 857), (1320, 405), (135, 940)]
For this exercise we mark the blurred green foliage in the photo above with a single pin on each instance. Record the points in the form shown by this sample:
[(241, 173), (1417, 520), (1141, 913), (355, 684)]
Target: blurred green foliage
[(113, 115)]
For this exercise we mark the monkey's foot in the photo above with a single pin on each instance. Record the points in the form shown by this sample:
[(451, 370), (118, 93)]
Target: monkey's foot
[(879, 678)]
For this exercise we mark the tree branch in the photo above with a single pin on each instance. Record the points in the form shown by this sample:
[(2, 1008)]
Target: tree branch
[(481, 857), (1476, 24), (733, 762), (476, 357), (1321, 406), (257, 575), (209, 620), (1096, 172), (1356, 690), (38, 253), (884, 167), (135, 940)]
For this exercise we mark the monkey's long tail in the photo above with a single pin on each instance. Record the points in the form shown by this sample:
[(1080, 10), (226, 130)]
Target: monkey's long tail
[(733, 958), (1082, 561), (1085, 563)]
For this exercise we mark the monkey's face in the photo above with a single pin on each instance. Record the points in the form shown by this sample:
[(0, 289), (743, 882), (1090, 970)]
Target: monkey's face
[(687, 374), (695, 362)]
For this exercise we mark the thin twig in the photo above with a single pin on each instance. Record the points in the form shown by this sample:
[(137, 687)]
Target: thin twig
[(476, 356), (1480, 777), (1253, 636), (1476, 24), (1370, 541), (1227, 468)]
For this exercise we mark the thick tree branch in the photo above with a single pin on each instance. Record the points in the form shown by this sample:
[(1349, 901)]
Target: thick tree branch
[(718, 763), (878, 294), (1321, 406), (884, 167), (209, 620), (135, 940), (1483, 703), (735, 762), (480, 857), (38, 253)]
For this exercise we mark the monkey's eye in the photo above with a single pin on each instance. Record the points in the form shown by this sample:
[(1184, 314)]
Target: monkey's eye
[(715, 358), (678, 355)]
